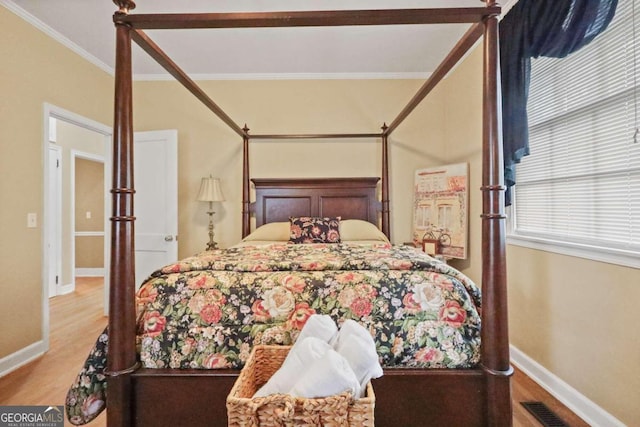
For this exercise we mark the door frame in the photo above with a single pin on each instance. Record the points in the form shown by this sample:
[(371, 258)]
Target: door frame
[(50, 110), (54, 195)]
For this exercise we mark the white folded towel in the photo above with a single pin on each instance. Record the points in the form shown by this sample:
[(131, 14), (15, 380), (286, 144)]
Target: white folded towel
[(348, 329), (357, 346), (297, 361), (320, 326), (329, 375)]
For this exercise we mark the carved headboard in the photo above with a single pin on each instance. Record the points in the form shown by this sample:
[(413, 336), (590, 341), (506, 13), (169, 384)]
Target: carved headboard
[(278, 199)]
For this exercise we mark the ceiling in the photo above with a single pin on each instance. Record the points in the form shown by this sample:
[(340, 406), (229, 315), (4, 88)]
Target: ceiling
[(409, 51)]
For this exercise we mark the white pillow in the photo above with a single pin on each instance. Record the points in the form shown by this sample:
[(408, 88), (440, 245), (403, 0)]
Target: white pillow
[(273, 231), (359, 230)]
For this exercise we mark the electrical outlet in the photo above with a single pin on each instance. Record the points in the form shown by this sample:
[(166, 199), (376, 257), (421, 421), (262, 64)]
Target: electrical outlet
[(88, 214), (32, 220)]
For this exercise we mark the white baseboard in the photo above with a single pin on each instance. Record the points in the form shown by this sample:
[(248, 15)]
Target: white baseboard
[(89, 272), (66, 289), (590, 412), (21, 357)]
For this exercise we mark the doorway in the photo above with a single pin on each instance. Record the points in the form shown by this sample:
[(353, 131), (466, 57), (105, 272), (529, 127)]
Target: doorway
[(70, 135)]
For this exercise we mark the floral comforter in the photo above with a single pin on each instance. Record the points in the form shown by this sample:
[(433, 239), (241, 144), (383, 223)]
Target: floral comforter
[(207, 311)]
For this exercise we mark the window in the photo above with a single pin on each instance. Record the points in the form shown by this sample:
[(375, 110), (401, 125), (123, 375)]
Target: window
[(445, 216), (578, 192), (423, 215)]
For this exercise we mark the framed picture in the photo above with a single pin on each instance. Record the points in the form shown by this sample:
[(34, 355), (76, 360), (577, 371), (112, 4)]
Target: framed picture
[(441, 204), (431, 246)]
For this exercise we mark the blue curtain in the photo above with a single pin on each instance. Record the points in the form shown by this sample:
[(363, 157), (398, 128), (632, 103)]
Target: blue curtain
[(533, 28)]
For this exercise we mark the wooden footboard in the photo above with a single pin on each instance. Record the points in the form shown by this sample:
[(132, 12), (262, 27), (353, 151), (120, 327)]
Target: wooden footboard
[(404, 397), (170, 397)]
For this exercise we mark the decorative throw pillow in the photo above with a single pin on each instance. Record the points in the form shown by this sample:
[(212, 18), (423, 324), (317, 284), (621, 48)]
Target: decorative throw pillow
[(306, 229)]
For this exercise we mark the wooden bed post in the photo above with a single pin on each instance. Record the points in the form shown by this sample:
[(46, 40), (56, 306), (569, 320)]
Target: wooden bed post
[(122, 358), (385, 182), (246, 185), (495, 331)]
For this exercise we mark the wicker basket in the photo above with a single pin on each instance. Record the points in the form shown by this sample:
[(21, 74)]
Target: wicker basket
[(286, 410)]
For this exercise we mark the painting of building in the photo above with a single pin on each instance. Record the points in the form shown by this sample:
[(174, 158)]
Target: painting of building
[(441, 207)]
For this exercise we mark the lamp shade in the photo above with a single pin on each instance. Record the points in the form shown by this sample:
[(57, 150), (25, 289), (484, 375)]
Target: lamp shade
[(210, 190)]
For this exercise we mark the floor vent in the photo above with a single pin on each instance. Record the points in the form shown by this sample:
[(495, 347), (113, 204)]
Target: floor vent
[(543, 414)]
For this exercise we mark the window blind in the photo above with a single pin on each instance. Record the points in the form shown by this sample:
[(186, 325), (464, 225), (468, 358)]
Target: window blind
[(581, 182)]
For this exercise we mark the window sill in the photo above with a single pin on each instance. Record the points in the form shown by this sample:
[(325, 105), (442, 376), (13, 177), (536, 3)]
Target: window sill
[(611, 256)]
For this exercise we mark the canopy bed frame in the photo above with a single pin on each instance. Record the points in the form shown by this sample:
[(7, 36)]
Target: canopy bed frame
[(140, 396)]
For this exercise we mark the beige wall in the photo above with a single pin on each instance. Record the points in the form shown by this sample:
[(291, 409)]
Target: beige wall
[(578, 318), (462, 94), (35, 69), (575, 317), (89, 198), (89, 186), (89, 252), (206, 146)]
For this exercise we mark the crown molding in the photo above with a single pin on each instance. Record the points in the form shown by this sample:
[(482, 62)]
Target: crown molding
[(20, 12)]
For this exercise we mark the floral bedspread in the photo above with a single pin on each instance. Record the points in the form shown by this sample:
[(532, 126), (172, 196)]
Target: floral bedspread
[(207, 311)]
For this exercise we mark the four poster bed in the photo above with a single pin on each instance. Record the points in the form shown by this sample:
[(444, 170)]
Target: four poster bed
[(470, 387)]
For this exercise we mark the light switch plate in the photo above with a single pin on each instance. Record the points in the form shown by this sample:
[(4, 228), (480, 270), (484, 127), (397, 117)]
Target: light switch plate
[(32, 220)]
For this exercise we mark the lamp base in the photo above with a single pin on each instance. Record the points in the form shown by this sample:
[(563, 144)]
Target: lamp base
[(212, 244)]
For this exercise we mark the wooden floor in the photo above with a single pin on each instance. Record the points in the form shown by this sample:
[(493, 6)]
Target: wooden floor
[(76, 321)]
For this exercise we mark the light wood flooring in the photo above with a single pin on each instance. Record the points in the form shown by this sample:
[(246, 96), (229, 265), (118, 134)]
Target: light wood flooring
[(76, 321)]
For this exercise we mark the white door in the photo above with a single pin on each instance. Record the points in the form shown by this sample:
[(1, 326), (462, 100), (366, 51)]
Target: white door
[(155, 201), (54, 193)]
